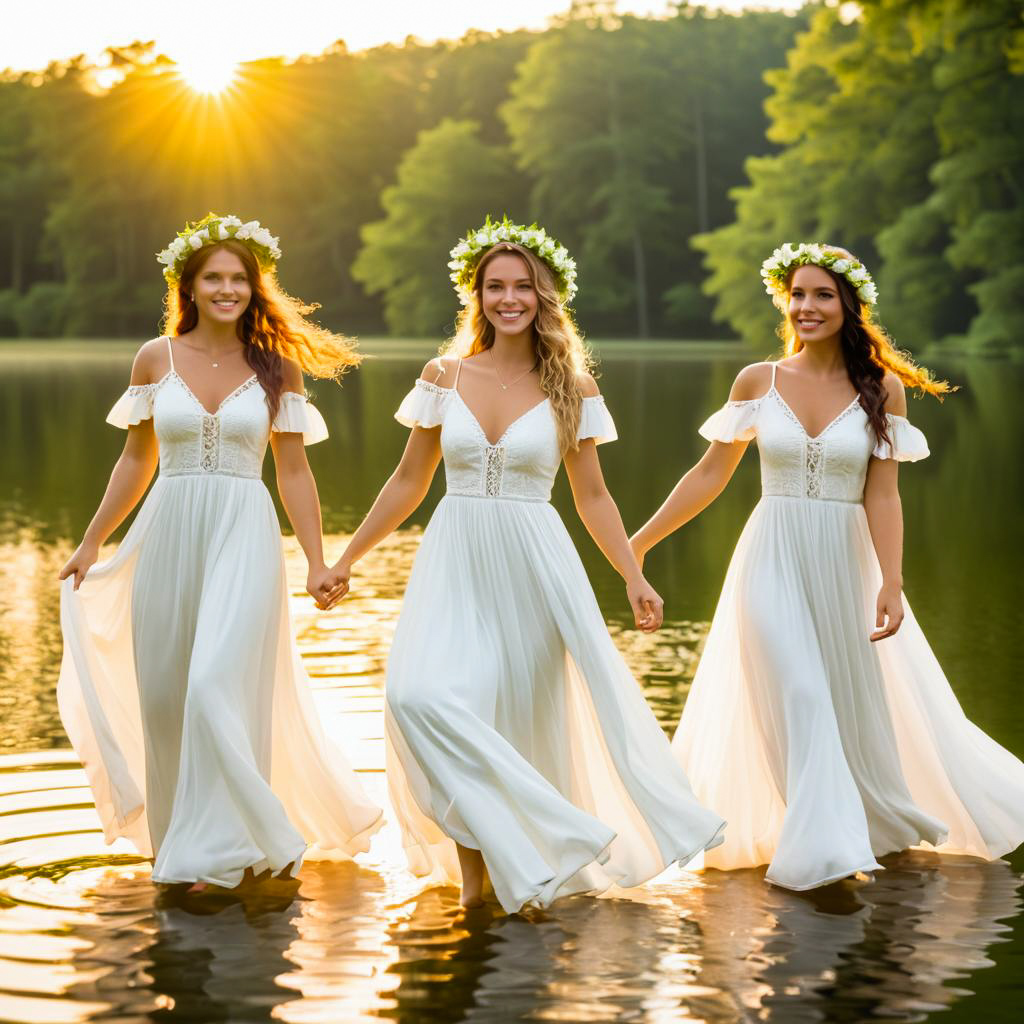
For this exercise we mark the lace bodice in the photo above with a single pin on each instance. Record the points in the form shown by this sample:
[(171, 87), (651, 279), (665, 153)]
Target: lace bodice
[(832, 466), (232, 441), (522, 464)]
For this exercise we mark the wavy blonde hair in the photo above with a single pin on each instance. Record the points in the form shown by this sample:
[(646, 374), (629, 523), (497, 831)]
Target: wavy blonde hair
[(561, 352), (274, 327)]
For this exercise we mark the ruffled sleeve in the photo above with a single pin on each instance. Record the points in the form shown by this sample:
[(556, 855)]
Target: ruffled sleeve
[(908, 443), (297, 415), (424, 406), (134, 406), (735, 421), (596, 421)]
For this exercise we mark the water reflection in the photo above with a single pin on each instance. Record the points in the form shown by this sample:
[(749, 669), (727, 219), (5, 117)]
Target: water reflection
[(83, 934)]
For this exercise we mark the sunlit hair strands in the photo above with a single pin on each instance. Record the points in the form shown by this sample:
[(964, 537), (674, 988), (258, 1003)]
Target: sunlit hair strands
[(274, 327), (561, 353), (867, 350)]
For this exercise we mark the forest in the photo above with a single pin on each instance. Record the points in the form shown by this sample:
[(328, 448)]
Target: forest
[(671, 155)]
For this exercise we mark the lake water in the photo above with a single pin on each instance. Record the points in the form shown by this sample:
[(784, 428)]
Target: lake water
[(84, 936)]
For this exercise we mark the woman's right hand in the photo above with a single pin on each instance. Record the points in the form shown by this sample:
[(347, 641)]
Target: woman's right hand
[(80, 563), (648, 608), (337, 582)]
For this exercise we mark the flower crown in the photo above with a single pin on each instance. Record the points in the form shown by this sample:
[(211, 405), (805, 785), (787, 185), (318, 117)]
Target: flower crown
[(775, 270), (217, 229), (465, 257)]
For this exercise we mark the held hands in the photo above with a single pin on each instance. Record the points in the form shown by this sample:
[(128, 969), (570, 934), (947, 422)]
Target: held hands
[(327, 586), (889, 611), (648, 607), (79, 563)]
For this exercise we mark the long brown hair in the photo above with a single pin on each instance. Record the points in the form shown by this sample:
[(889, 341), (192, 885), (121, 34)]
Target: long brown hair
[(274, 326), (868, 352), (561, 353)]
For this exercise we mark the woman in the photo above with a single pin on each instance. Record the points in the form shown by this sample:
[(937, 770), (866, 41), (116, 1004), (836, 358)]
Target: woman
[(517, 737), (827, 743), (181, 688)]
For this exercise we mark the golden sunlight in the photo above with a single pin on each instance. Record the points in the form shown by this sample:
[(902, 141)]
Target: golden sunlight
[(208, 73)]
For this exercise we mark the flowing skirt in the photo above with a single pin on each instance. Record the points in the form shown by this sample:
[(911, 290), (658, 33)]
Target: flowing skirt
[(513, 724), (182, 691), (823, 750)]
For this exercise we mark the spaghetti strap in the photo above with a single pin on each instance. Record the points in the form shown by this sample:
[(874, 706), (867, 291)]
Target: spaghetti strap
[(775, 366), (458, 370), (170, 355)]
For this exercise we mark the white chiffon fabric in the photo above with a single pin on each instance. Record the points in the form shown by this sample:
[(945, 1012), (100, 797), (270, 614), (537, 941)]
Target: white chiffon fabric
[(513, 724), (181, 688), (825, 751)]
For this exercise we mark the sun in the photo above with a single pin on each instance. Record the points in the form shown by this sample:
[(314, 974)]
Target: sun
[(209, 73)]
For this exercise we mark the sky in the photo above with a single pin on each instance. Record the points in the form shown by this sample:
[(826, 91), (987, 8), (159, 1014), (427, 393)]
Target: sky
[(39, 31)]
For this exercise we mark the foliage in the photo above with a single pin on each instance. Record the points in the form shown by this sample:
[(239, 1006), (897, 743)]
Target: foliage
[(904, 142), (94, 180)]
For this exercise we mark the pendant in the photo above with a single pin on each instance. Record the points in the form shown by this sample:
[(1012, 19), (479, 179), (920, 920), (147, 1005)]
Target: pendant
[(215, 365)]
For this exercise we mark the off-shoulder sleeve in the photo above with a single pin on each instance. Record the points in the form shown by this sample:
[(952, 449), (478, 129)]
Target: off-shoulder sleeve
[(297, 415), (908, 444), (424, 406), (596, 421), (735, 421), (134, 406)]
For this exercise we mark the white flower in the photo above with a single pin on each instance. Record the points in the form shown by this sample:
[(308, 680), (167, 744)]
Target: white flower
[(786, 253), (868, 292), (178, 246), (261, 236), (243, 233), (857, 275), (841, 266), (195, 241), (231, 221), (166, 257), (814, 252)]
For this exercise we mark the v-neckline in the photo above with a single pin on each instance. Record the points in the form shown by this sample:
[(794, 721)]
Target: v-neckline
[(828, 426), (504, 433), (224, 401)]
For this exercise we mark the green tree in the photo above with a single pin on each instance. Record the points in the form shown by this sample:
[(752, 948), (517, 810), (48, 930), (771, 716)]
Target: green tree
[(447, 183)]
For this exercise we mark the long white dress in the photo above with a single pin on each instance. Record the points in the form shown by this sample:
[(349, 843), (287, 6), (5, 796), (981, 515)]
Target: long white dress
[(513, 724), (823, 750), (181, 688)]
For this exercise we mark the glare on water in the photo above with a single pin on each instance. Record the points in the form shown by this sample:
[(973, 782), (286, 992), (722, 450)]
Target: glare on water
[(85, 936)]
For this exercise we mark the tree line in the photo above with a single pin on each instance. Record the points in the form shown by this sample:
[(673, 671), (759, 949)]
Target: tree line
[(670, 155)]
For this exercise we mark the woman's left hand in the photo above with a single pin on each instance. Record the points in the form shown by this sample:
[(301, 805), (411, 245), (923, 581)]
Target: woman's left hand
[(648, 607), (889, 611)]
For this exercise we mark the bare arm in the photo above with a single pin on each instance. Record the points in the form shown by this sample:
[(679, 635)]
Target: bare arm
[(399, 497), (708, 478), (884, 512), (129, 479), (695, 491), (600, 515)]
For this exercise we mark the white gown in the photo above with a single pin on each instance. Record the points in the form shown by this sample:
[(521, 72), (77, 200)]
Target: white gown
[(513, 724), (825, 751), (181, 688)]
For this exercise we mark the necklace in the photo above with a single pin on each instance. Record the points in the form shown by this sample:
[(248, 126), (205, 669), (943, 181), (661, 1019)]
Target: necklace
[(214, 363), (497, 373)]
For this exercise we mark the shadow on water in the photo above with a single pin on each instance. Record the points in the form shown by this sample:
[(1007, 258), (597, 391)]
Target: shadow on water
[(85, 936)]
